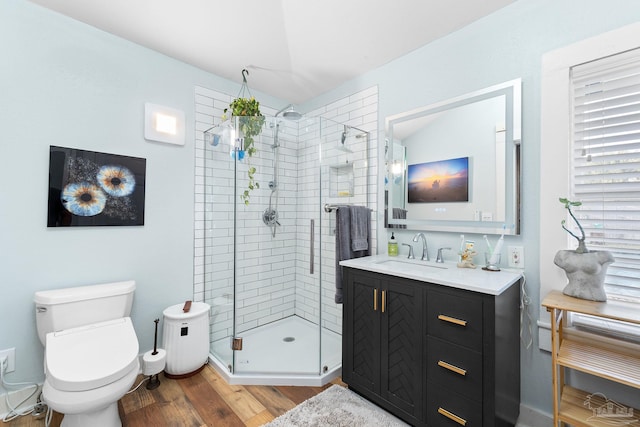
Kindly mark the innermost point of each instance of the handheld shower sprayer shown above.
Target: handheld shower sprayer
(345, 132)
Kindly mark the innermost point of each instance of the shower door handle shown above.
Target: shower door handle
(312, 226)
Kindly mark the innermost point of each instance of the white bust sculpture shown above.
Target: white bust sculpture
(586, 272)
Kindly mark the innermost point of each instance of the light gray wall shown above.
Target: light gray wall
(503, 46)
(65, 83)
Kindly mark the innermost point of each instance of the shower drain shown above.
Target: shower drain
(288, 339)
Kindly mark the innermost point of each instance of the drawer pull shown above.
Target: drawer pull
(452, 368)
(375, 299)
(452, 320)
(384, 300)
(452, 416)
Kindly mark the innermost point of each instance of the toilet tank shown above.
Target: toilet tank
(60, 309)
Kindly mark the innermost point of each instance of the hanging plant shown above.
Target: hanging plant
(250, 122)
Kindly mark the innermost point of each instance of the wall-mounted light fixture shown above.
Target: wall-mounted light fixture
(164, 124)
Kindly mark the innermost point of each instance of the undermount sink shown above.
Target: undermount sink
(393, 263)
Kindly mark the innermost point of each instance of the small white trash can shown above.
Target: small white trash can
(186, 339)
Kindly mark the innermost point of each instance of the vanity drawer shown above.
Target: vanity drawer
(455, 317)
(446, 408)
(454, 367)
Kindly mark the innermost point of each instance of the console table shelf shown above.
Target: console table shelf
(573, 410)
(602, 362)
(609, 358)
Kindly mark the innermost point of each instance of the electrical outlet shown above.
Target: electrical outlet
(10, 353)
(516, 256)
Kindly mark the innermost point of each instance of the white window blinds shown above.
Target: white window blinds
(606, 164)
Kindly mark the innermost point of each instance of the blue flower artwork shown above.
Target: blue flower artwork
(88, 188)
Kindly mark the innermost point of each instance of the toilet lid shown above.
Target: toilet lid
(90, 356)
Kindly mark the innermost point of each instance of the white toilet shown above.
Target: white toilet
(91, 351)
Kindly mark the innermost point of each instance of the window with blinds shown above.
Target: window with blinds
(606, 164)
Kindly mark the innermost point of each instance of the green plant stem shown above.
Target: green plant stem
(579, 226)
(582, 247)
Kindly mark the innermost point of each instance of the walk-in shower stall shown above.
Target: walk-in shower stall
(270, 244)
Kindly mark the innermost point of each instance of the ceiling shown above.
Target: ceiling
(293, 49)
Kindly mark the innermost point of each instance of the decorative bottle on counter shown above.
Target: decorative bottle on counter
(392, 247)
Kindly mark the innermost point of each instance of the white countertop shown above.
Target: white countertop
(447, 274)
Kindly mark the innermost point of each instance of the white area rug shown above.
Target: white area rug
(336, 407)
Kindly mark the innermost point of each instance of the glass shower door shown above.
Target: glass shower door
(277, 233)
(270, 253)
(219, 240)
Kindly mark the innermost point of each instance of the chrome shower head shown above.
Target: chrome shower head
(292, 115)
(289, 113)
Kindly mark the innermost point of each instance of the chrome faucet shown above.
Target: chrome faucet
(425, 251)
(439, 258)
(410, 256)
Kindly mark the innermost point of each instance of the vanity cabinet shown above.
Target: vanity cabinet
(383, 340)
(430, 354)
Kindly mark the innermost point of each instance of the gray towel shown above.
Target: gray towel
(399, 213)
(344, 247)
(360, 226)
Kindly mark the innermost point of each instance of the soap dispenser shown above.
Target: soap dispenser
(392, 247)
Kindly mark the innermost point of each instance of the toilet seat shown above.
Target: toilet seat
(91, 356)
(87, 401)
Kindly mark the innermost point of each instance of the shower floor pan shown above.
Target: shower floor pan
(285, 352)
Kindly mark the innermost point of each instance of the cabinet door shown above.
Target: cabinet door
(361, 337)
(401, 338)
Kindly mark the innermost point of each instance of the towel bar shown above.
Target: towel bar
(329, 207)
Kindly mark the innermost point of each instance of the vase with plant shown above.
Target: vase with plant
(248, 122)
(585, 269)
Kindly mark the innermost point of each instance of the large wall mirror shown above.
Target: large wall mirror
(455, 165)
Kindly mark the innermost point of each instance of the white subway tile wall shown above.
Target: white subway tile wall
(273, 279)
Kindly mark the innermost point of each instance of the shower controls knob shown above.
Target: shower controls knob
(270, 217)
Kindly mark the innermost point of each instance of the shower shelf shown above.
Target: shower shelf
(341, 179)
(346, 165)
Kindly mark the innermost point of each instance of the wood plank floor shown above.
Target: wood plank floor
(204, 399)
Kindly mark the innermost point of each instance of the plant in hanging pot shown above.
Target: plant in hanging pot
(585, 269)
(249, 124)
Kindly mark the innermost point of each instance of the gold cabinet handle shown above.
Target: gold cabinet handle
(451, 367)
(452, 416)
(375, 299)
(384, 300)
(452, 320)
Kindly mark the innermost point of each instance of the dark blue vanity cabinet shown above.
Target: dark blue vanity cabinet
(431, 354)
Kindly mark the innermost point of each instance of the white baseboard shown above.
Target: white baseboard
(531, 417)
(16, 397)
